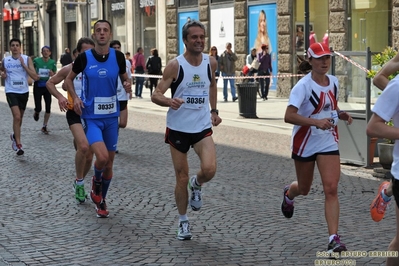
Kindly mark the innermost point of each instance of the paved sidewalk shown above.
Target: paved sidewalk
(240, 223)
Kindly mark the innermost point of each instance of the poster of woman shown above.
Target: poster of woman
(262, 29)
(183, 18)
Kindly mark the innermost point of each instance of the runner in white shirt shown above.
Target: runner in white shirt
(385, 109)
(313, 109)
(191, 77)
(122, 95)
(15, 70)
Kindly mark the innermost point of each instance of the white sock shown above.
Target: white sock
(331, 238)
(183, 218)
(385, 197)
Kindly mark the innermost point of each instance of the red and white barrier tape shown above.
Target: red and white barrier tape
(266, 76)
(229, 77)
(352, 62)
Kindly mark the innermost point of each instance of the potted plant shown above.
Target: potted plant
(385, 149)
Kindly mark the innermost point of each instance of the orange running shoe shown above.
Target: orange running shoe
(379, 205)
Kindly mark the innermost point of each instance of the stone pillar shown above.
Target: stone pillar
(285, 46)
(395, 23)
(203, 15)
(338, 27)
(241, 33)
(172, 42)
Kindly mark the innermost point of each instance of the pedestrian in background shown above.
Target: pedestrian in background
(314, 112)
(265, 69)
(249, 63)
(214, 52)
(192, 112)
(154, 67)
(45, 67)
(228, 67)
(15, 69)
(127, 56)
(66, 57)
(139, 68)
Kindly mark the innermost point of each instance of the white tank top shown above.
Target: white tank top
(77, 84)
(17, 77)
(192, 85)
(121, 93)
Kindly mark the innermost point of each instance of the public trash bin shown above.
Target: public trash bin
(247, 93)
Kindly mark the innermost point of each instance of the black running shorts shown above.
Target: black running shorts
(17, 99)
(313, 157)
(73, 118)
(122, 105)
(395, 189)
(182, 141)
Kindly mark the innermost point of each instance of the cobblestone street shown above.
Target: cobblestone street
(240, 223)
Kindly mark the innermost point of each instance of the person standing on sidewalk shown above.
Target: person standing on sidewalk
(15, 69)
(83, 155)
(227, 66)
(45, 68)
(191, 77)
(314, 112)
(99, 108)
(139, 68)
(265, 69)
(66, 57)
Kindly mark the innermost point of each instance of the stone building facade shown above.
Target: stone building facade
(339, 27)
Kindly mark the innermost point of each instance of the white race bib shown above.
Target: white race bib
(18, 84)
(333, 115)
(44, 72)
(195, 99)
(104, 105)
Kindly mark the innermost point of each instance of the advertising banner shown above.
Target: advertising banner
(221, 31)
(262, 28)
(183, 17)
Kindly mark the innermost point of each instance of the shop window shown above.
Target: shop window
(370, 25)
(220, 1)
(188, 3)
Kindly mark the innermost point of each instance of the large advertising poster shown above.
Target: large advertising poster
(183, 18)
(221, 30)
(262, 28)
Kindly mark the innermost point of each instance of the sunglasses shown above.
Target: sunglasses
(213, 49)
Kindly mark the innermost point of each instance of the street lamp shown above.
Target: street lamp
(10, 7)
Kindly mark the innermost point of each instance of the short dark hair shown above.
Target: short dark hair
(138, 49)
(189, 24)
(15, 40)
(83, 40)
(102, 21)
(112, 43)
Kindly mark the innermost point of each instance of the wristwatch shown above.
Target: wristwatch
(215, 111)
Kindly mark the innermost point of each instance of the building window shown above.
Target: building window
(220, 1)
(188, 3)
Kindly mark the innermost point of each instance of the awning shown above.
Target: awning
(28, 23)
